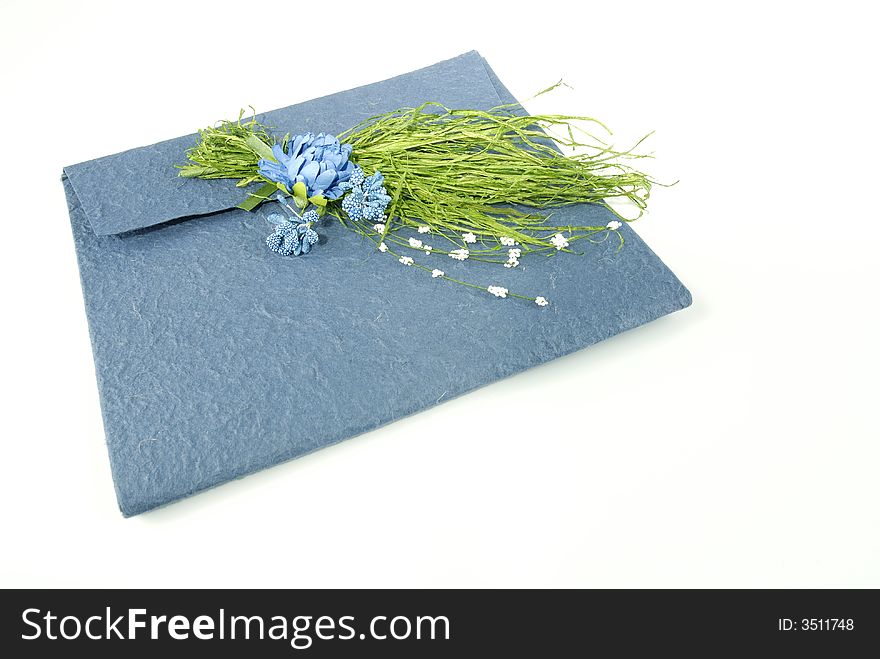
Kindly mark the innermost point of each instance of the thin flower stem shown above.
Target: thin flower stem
(363, 230)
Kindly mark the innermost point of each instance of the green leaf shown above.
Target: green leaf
(318, 200)
(300, 194)
(256, 198)
(195, 171)
(259, 147)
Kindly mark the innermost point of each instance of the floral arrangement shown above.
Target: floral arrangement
(430, 181)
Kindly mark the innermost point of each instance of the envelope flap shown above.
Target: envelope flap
(140, 188)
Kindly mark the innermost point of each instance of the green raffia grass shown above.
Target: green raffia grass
(231, 149)
(461, 171)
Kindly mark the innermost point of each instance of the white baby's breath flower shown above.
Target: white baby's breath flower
(497, 291)
(406, 260)
(428, 249)
(541, 301)
(469, 237)
(614, 225)
(459, 254)
(415, 242)
(383, 247)
(507, 241)
(424, 229)
(437, 273)
(513, 258)
(379, 228)
(559, 241)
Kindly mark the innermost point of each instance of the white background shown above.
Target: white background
(732, 444)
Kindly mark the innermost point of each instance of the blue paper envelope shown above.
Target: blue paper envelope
(216, 357)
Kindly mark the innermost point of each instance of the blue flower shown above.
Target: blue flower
(284, 239)
(367, 198)
(321, 162)
(292, 237)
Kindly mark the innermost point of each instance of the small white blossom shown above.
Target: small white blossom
(437, 273)
(428, 249)
(497, 291)
(541, 301)
(406, 260)
(507, 242)
(614, 225)
(379, 228)
(383, 247)
(513, 258)
(415, 242)
(459, 254)
(424, 229)
(469, 237)
(559, 241)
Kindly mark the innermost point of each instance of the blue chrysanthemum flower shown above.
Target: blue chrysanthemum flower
(367, 198)
(318, 161)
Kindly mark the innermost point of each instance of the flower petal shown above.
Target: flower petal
(310, 172)
(295, 165)
(272, 171)
(325, 180)
(294, 148)
(279, 154)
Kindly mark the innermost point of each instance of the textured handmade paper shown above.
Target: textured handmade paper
(216, 358)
